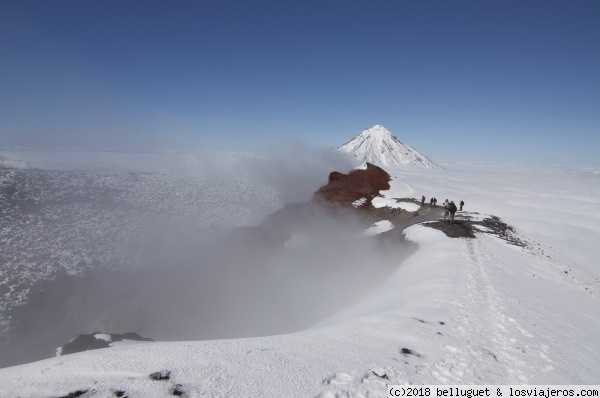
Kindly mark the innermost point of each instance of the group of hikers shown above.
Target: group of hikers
(450, 208)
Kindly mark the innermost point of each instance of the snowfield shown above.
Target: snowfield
(457, 311)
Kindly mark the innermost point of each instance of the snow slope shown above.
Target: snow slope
(458, 311)
(378, 146)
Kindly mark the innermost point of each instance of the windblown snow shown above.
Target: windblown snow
(457, 311)
(378, 146)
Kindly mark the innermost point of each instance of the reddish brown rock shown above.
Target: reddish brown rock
(344, 189)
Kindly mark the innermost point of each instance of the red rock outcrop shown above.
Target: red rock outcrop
(344, 189)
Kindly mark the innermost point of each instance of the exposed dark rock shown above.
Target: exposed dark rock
(162, 375)
(465, 227)
(74, 394)
(381, 375)
(83, 342)
(458, 229)
(129, 336)
(91, 341)
(177, 390)
(408, 351)
(502, 230)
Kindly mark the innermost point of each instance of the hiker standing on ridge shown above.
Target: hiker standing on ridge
(431, 201)
(461, 205)
(452, 210)
(423, 200)
(434, 201)
(446, 204)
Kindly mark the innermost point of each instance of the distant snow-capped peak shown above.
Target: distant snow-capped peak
(378, 146)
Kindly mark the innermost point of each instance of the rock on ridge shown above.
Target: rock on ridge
(345, 189)
(96, 340)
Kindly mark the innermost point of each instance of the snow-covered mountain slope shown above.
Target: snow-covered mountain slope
(378, 146)
(458, 311)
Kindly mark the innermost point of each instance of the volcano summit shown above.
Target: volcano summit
(378, 146)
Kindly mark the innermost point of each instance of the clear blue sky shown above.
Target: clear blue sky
(458, 80)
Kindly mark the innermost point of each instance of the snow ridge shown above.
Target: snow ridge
(378, 146)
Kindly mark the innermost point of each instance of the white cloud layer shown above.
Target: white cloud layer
(6, 163)
(558, 206)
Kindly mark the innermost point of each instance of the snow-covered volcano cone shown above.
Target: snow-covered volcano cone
(378, 146)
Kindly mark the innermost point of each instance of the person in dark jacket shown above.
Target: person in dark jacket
(461, 205)
(452, 211)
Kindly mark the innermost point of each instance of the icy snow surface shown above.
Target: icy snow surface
(359, 202)
(393, 203)
(378, 228)
(103, 336)
(458, 311)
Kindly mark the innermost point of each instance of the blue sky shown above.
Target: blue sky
(517, 81)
